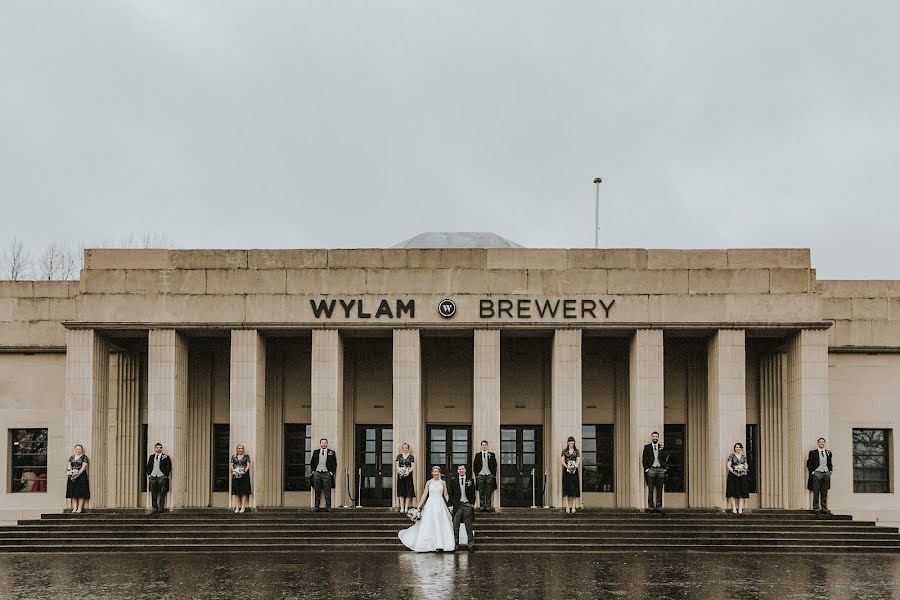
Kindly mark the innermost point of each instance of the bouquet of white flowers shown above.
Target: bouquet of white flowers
(414, 514)
(570, 467)
(740, 469)
(404, 471)
(238, 471)
(72, 473)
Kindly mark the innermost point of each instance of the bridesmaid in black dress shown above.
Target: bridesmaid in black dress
(571, 485)
(406, 490)
(240, 484)
(78, 487)
(737, 486)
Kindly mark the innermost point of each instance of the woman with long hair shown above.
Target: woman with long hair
(406, 489)
(571, 485)
(737, 488)
(241, 487)
(78, 486)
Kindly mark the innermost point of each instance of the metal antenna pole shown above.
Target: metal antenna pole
(597, 182)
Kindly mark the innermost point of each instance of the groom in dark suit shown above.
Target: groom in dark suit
(484, 467)
(462, 504)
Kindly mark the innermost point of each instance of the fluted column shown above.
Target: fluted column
(807, 406)
(327, 399)
(199, 427)
(87, 404)
(697, 434)
(274, 478)
(248, 404)
(408, 415)
(565, 406)
(726, 409)
(646, 404)
(167, 381)
(124, 431)
(622, 453)
(486, 396)
(774, 468)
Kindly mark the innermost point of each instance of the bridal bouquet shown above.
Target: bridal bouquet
(72, 473)
(238, 471)
(414, 514)
(404, 471)
(740, 469)
(570, 467)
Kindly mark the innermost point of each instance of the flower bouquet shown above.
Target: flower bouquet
(72, 473)
(238, 471)
(404, 471)
(414, 514)
(740, 469)
(571, 467)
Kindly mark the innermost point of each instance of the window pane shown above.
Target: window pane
(871, 461)
(221, 456)
(28, 460)
(528, 434)
(297, 454)
(507, 434)
(439, 434)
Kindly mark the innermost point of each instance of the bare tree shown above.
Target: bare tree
(57, 261)
(16, 262)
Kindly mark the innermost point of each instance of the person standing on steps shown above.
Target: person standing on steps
(737, 486)
(819, 466)
(571, 486)
(241, 487)
(159, 470)
(406, 489)
(78, 487)
(462, 505)
(323, 465)
(485, 469)
(654, 460)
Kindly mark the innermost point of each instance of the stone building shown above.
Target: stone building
(441, 342)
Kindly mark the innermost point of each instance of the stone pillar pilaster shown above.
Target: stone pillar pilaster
(696, 432)
(565, 406)
(486, 397)
(726, 408)
(167, 383)
(248, 404)
(646, 406)
(199, 428)
(408, 415)
(124, 431)
(327, 401)
(87, 404)
(807, 406)
(274, 438)
(774, 468)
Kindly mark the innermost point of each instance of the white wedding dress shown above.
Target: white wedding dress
(434, 531)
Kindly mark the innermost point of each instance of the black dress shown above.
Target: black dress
(81, 486)
(240, 486)
(737, 486)
(571, 486)
(405, 486)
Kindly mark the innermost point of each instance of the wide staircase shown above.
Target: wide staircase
(512, 530)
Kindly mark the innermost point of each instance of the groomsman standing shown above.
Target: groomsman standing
(323, 464)
(654, 460)
(485, 468)
(158, 470)
(819, 466)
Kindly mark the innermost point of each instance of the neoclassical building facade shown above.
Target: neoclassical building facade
(443, 347)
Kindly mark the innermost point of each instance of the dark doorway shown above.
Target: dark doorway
(521, 465)
(448, 446)
(375, 456)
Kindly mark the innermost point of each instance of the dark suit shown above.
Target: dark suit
(486, 483)
(463, 512)
(819, 482)
(323, 482)
(654, 476)
(159, 486)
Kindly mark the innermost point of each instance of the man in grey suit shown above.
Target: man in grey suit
(462, 504)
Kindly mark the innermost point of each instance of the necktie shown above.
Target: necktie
(461, 484)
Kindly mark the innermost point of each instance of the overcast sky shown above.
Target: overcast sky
(359, 124)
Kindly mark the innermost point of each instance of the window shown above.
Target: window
(751, 450)
(871, 473)
(597, 444)
(28, 454)
(297, 454)
(447, 447)
(221, 455)
(673, 442)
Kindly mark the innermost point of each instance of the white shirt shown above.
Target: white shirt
(656, 455)
(462, 490)
(157, 472)
(323, 458)
(823, 461)
(484, 464)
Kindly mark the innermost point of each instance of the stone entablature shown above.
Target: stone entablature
(865, 313)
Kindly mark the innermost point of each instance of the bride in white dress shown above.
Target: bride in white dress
(434, 530)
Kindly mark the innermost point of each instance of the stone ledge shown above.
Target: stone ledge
(765, 258)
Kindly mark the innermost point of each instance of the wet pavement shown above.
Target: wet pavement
(447, 576)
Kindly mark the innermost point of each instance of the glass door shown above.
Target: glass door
(448, 446)
(521, 465)
(375, 456)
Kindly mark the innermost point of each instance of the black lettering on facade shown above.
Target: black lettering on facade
(348, 306)
(523, 309)
(408, 307)
(569, 308)
(587, 307)
(606, 306)
(485, 308)
(546, 308)
(504, 306)
(384, 309)
(360, 312)
(322, 308)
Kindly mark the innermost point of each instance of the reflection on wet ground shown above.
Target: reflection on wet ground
(447, 576)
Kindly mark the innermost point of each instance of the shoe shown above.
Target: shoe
(817, 511)
(471, 549)
(241, 511)
(317, 509)
(328, 510)
(660, 511)
(825, 511)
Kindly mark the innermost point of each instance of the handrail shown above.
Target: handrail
(544, 491)
(533, 490)
(359, 489)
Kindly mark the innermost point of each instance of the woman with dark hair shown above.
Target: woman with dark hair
(406, 489)
(571, 486)
(737, 489)
(241, 487)
(78, 487)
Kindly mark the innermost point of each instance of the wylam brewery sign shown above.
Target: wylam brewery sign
(535, 309)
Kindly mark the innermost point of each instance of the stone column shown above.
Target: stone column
(247, 414)
(565, 406)
(274, 476)
(807, 406)
(327, 401)
(621, 432)
(645, 406)
(167, 393)
(696, 432)
(726, 407)
(774, 468)
(87, 404)
(408, 415)
(199, 427)
(125, 470)
(486, 397)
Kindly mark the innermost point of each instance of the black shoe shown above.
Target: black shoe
(817, 511)
(825, 511)
(328, 510)
(317, 509)
(471, 549)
